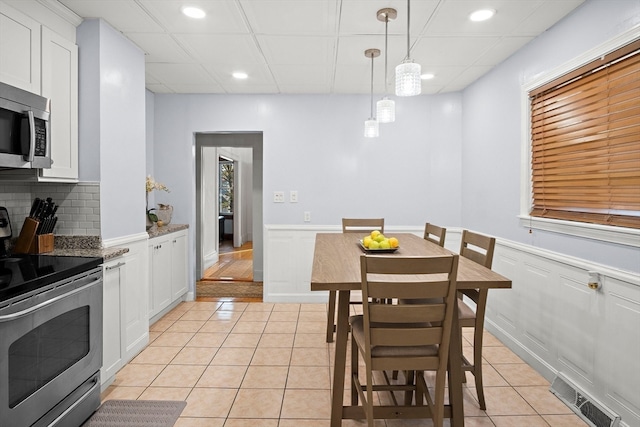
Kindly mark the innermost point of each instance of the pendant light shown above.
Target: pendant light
(371, 125)
(408, 72)
(386, 108)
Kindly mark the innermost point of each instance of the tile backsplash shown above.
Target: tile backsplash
(79, 205)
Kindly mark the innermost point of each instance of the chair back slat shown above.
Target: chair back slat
(435, 234)
(408, 290)
(403, 337)
(407, 265)
(362, 225)
(406, 313)
(477, 247)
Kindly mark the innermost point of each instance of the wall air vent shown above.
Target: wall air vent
(592, 412)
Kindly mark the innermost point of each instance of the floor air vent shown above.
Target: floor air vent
(592, 412)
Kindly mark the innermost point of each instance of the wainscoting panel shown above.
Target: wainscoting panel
(557, 324)
(619, 349)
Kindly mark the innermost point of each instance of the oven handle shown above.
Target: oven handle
(76, 403)
(12, 316)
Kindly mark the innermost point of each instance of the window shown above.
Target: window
(225, 175)
(585, 142)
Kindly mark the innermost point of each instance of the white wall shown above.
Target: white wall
(112, 139)
(314, 144)
(492, 131)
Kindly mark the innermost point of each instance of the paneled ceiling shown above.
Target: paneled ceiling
(317, 46)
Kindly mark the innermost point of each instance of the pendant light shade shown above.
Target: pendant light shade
(371, 129)
(408, 81)
(386, 108)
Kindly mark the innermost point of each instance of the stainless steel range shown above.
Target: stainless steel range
(50, 339)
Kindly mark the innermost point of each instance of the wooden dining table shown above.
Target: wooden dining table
(336, 267)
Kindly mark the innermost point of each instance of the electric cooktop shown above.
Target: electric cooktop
(21, 274)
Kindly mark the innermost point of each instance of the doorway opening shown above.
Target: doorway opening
(229, 256)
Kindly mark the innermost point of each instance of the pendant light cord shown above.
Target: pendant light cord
(371, 85)
(408, 24)
(386, 25)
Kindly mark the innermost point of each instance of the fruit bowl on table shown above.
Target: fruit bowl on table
(376, 250)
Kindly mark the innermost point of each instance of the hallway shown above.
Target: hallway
(234, 264)
(231, 276)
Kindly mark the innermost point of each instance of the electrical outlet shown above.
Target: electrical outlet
(293, 196)
(307, 217)
(278, 197)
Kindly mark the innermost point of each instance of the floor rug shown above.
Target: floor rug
(136, 413)
(229, 289)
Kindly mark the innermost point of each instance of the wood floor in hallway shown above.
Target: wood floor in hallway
(234, 264)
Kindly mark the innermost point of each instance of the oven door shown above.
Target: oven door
(50, 344)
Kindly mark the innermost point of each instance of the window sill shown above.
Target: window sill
(620, 235)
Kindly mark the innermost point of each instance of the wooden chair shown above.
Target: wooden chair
(404, 337)
(478, 248)
(350, 225)
(435, 234)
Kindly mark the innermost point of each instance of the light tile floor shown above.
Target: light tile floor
(268, 365)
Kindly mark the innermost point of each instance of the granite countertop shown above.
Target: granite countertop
(91, 246)
(84, 246)
(156, 231)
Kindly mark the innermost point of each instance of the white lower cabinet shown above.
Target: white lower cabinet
(125, 320)
(167, 271)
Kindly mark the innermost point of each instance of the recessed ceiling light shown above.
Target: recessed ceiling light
(193, 12)
(427, 76)
(240, 75)
(482, 15)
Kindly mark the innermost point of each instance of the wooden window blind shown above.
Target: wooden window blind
(585, 142)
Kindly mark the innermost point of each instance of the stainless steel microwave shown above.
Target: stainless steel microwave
(25, 134)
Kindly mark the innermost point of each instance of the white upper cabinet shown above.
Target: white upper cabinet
(60, 84)
(39, 60)
(19, 50)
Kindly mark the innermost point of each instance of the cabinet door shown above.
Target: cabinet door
(19, 49)
(60, 84)
(134, 301)
(160, 274)
(111, 320)
(179, 265)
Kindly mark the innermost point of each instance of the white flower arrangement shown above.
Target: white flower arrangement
(154, 185)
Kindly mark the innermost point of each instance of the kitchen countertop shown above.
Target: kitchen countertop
(156, 231)
(91, 246)
(84, 246)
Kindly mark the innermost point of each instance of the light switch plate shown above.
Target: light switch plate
(293, 196)
(278, 197)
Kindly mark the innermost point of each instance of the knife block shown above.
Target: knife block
(43, 244)
(31, 243)
(27, 237)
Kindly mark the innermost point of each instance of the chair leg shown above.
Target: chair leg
(331, 313)
(477, 367)
(409, 380)
(354, 372)
(368, 405)
(464, 372)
